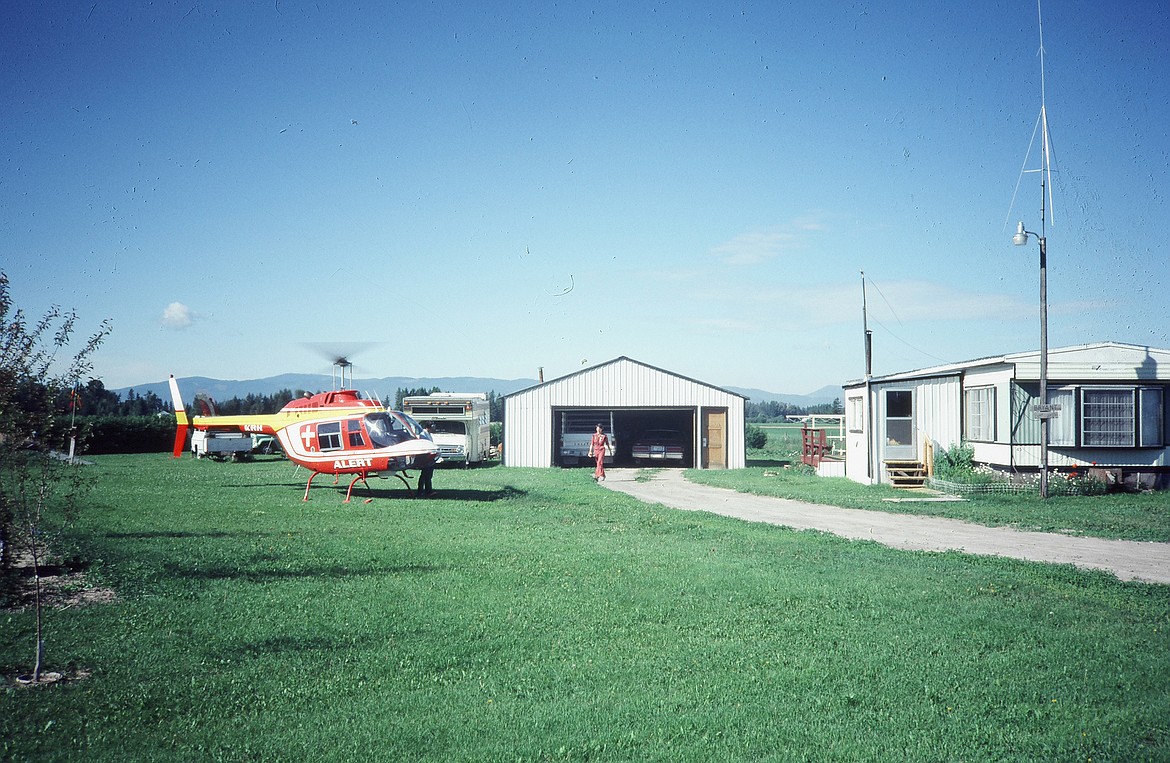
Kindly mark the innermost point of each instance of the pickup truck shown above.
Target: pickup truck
(221, 445)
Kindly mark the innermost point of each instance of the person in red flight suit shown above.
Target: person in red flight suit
(598, 447)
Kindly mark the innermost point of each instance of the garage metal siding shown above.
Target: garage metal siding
(527, 432)
(622, 383)
(937, 411)
(627, 384)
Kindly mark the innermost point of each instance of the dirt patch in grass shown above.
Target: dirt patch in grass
(63, 586)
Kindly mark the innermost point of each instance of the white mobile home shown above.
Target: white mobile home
(630, 398)
(1108, 403)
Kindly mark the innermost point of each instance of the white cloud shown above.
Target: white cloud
(754, 248)
(177, 316)
(929, 301)
(734, 325)
(895, 303)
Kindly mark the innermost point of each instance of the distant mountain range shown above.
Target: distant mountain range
(821, 396)
(224, 389)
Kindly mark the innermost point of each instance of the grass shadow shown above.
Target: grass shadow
(446, 465)
(362, 495)
(176, 534)
(478, 496)
(261, 575)
(770, 462)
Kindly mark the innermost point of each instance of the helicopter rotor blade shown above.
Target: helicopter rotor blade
(339, 355)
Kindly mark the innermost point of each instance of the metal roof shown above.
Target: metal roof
(1018, 358)
(620, 359)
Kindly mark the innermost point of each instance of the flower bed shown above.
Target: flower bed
(977, 488)
(1058, 484)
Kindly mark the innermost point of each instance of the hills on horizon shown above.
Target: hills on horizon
(225, 389)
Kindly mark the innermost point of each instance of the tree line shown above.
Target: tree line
(774, 410)
(93, 399)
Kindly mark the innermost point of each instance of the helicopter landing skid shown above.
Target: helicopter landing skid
(360, 476)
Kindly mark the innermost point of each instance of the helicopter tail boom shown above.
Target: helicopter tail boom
(180, 419)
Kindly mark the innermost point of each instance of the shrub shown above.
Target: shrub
(955, 463)
(756, 438)
(1077, 482)
(128, 434)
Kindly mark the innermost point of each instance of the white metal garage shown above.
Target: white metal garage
(636, 398)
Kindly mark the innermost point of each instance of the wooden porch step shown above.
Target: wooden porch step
(903, 473)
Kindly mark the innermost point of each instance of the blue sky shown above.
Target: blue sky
(475, 189)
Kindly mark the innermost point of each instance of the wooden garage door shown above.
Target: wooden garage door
(715, 438)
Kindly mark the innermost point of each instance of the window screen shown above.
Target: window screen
(1108, 418)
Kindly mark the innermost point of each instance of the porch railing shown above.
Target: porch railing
(814, 446)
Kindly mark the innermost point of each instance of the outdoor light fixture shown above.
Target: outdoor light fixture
(1043, 410)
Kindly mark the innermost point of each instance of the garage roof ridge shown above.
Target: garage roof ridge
(618, 360)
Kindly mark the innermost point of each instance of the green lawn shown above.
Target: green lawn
(1128, 516)
(530, 615)
(776, 471)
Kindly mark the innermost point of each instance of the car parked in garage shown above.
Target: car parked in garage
(659, 446)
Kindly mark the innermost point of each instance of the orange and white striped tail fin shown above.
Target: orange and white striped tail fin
(180, 418)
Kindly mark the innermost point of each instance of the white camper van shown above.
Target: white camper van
(459, 423)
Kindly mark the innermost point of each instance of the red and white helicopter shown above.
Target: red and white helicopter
(336, 432)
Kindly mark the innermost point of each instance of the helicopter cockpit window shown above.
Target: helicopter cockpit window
(385, 430)
(329, 436)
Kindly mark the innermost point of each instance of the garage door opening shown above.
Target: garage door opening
(643, 436)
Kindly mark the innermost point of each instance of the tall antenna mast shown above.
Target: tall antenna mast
(1043, 409)
(1046, 204)
(1045, 140)
(868, 333)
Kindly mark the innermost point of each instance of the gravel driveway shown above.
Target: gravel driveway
(1128, 560)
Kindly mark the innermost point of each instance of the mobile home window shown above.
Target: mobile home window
(856, 414)
(1062, 430)
(1108, 418)
(1121, 417)
(979, 421)
(1151, 434)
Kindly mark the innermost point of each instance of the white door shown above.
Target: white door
(898, 425)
